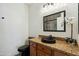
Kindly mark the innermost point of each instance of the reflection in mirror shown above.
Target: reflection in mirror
(54, 22)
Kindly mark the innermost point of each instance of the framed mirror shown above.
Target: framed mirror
(54, 22)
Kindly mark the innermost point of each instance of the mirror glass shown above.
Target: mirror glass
(54, 22)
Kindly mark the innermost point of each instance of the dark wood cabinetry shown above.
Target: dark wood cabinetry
(57, 52)
(32, 49)
(43, 50)
(41, 53)
(37, 49)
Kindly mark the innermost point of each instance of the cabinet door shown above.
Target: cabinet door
(32, 51)
(32, 48)
(44, 48)
(41, 53)
(59, 53)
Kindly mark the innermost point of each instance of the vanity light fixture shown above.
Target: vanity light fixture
(47, 4)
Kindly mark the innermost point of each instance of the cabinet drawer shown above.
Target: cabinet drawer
(32, 44)
(44, 48)
(40, 53)
(32, 51)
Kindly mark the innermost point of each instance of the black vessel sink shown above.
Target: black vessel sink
(49, 39)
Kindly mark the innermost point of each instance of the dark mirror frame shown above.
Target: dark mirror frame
(55, 30)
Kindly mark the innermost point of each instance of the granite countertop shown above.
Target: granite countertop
(61, 45)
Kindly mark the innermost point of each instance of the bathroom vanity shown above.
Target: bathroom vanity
(60, 48)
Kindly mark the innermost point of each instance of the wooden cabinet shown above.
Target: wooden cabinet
(43, 50)
(41, 53)
(32, 49)
(37, 49)
(59, 53)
